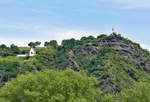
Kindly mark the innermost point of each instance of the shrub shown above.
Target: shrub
(51, 86)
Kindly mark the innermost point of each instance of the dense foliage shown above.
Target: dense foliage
(51, 86)
(8, 51)
(34, 44)
(138, 93)
(119, 64)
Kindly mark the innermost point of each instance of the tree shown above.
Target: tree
(34, 44)
(37, 43)
(108, 98)
(3, 100)
(102, 36)
(69, 44)
(46, 57)
(46, 43)
(5, 51)
(139, 93)
(51, 86)
(3, 46)
(89, 39)
(52, 43)
(14, 49)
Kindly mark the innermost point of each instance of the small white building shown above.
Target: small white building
(32, 52)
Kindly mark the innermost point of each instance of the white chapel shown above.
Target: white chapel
(32, 52)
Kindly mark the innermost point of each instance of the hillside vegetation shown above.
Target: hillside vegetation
(121, 66)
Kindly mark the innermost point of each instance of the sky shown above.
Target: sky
(22, 21)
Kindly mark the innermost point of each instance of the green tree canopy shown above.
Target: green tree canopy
(69, 44)
(5, 51)
(139, 93)
(51, 86)
(37, 43)
(3, 46)
(34, 44)
(52, 43)
(14, 48)
(31, 44)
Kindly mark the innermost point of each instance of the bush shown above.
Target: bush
(102, 36)
(140, 93)
(51, 86)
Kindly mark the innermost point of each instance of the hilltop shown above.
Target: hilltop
(116, 61)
